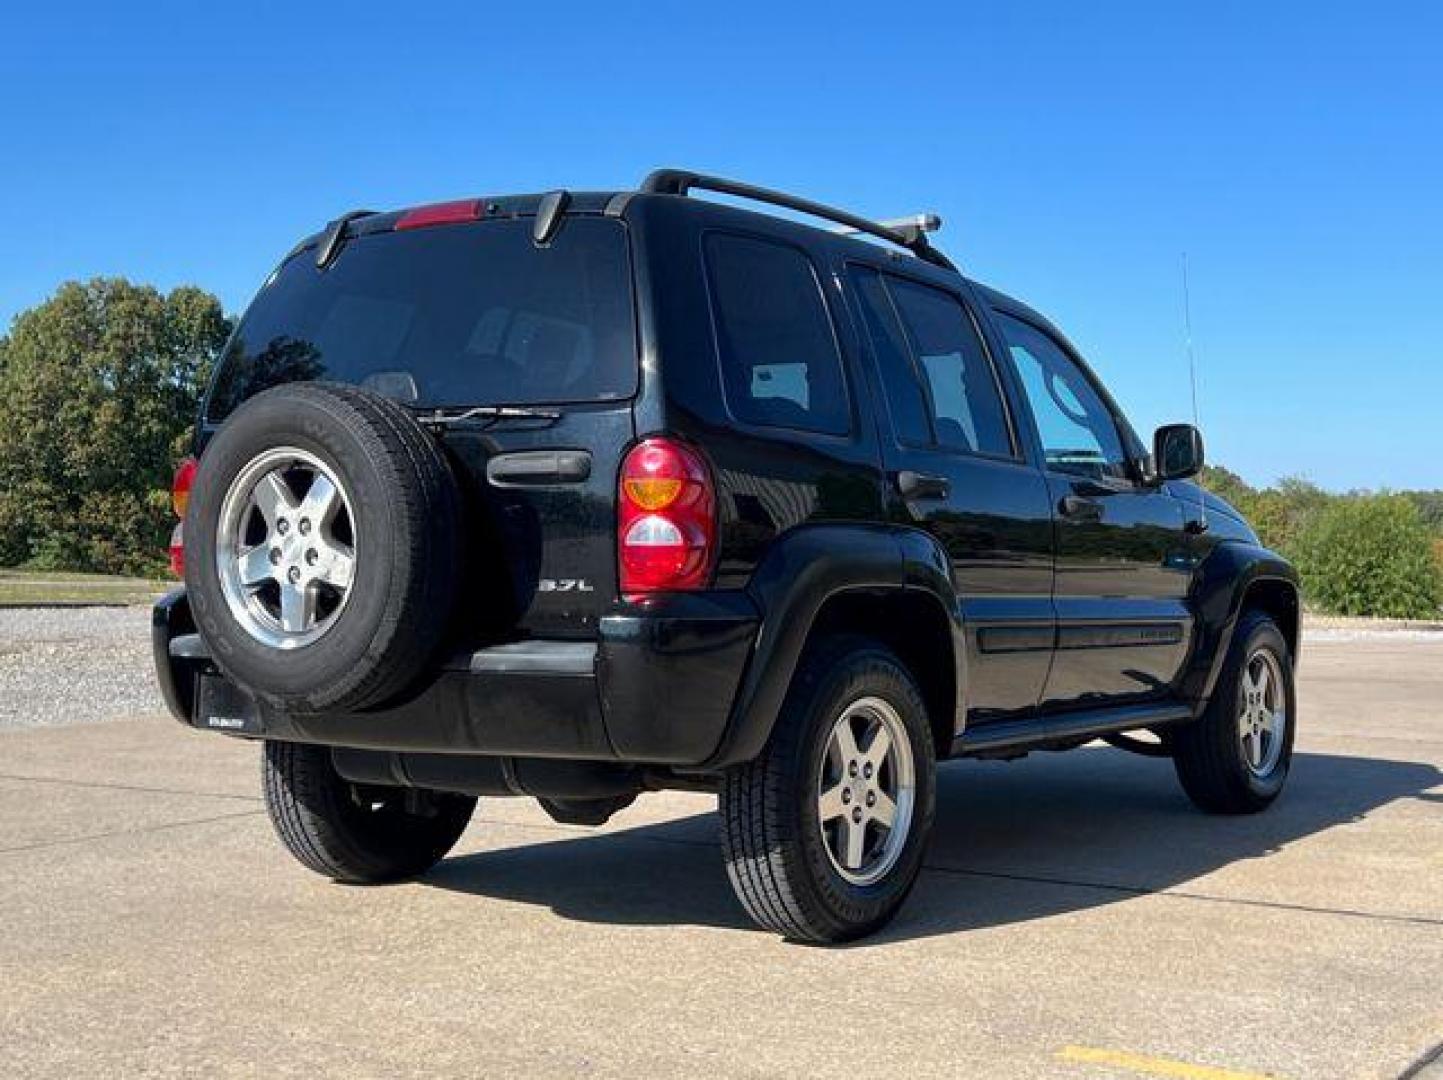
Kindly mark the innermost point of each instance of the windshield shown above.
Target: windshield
(453, 315)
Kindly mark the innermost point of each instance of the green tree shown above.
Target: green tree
(98, 388)
(1225, 484)
(1430, 505)
(1370, 555)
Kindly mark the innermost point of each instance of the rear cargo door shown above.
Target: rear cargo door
(543, 494)
(521, 355)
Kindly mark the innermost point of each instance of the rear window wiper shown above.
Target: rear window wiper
(441, 418)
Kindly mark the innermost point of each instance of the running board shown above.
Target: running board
(1020, 735)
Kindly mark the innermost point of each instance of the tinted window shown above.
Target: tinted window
(900, 383)
(780, 364)
(452, 315)
(965, 400)
(1078, 432)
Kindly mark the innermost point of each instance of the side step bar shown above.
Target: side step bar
(1020, 735)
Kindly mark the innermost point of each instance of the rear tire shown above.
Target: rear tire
(788, 816)
(355, 834)
(1235, 759)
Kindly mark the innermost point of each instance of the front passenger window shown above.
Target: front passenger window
(1079, 434)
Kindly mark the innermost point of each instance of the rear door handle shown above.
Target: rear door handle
(1080, 508)
(539, 468)
(915, 485)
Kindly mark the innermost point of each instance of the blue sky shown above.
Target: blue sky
(1294, 151)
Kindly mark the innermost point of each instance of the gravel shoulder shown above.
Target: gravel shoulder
(63, 666)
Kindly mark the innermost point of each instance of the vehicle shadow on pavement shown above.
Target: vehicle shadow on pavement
(1013, 842)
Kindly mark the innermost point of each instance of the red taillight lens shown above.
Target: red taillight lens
(177, 551)
(667, 519)
(441, 213)
(181, 485)
(180, 499)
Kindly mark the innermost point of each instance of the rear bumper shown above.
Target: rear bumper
(656, 687)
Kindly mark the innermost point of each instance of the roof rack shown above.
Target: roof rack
(910, 234)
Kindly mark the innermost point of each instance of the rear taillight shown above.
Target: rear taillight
(667, 519)
(443, 213)
(180, 499)
(177, 550)
(181, 485)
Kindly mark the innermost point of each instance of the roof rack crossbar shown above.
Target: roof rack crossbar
(910, 227)
(680, 181)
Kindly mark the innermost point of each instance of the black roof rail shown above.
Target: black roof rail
(681, 181)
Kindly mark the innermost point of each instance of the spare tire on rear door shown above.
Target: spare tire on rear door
(321, 547)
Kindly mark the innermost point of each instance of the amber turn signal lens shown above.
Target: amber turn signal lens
(652, 492)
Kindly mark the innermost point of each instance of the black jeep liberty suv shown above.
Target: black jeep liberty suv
(579, 496)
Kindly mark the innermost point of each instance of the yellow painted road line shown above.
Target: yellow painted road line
(1152, 1066)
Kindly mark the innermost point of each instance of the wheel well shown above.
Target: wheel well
(1279, 600)
(915, 627)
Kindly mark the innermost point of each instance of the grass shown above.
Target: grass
(22, 588)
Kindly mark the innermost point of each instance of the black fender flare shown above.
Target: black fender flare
(800, 572)
(1220, 588)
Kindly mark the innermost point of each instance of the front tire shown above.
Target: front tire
(1235, 759)
(355, 834)
(824, 833)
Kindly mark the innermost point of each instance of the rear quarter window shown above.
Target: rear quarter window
(779, 358)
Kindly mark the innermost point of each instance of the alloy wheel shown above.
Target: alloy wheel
(1262, 712)
(866, 788)
(285, 548)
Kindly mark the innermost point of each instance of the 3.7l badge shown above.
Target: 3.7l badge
(564, 585)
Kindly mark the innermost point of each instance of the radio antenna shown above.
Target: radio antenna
(1192, 378)
(1187, 338)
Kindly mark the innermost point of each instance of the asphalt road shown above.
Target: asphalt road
(1077, 919)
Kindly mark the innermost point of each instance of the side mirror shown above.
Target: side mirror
(1177, 452)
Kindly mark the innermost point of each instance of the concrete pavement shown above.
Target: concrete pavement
(1077, 919)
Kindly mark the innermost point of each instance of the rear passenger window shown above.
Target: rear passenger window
(934, 361)
(905, 400)
(780, 364)
(967, 406)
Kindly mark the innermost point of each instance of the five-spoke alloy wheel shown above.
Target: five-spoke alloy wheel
(285, 548)
(866, 787)
(1263, 712)
(824, 833)
(1235, 758)
(322, 557)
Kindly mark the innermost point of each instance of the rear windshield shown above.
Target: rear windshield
(452, 315)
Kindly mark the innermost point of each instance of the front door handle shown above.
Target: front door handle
(915, 485)
(1080, 508)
